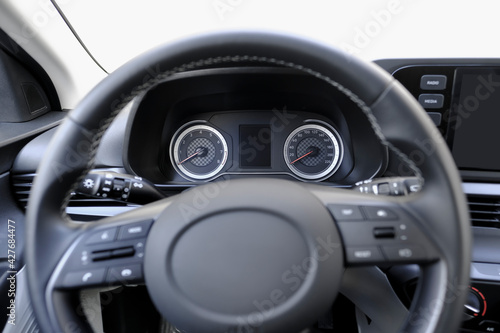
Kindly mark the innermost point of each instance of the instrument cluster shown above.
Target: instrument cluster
(239, 143)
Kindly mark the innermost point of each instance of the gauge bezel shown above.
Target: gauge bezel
(333, 134)
(174, 149)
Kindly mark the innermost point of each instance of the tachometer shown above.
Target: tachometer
(198, 152)
(313, 151)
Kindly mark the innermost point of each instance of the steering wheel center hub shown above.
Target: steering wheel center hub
(243, 258)
(244, 262)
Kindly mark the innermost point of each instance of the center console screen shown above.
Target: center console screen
(475, 119)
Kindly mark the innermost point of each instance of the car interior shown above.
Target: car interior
(246, 178)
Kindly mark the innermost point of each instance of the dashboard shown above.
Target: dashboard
(239, 122)
(462, 99)
(216, 124)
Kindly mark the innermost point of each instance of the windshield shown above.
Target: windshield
(116, 30)
(111, 32)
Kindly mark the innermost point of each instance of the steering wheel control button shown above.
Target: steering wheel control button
(136, 230)
(139, 249)
(84, 278)
(433, 82)
(103, 236)
(125, 274)
(101, 255)
(369, 254)
(346, 212)
(431, 101)
(123, 252)
(404, 253)
(379, 213)
(384, 232)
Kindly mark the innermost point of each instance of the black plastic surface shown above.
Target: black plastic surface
(14, 136)
(110, 153)
(21, 97)
(9, 46)
(411, 77)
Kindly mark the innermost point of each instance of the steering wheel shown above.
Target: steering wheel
(251, 255)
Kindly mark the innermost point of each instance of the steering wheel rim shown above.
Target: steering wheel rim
(440, 207)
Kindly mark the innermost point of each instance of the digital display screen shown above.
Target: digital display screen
(255, 146)
(476, 117)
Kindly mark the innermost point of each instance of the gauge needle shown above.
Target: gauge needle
(198, 151)
(301, 157)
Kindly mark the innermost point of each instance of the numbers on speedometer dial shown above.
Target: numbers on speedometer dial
(198, 152)
(313, 151)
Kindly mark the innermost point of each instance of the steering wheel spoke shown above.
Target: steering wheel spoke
(377, 230)
(110, 252)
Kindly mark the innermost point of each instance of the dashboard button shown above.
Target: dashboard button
(436, 117)
(433, 82)
(136, 230)
(103, 236)
(431, 101)
(346, 212)
(379, 214)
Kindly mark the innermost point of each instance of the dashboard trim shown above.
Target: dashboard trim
(481, 188)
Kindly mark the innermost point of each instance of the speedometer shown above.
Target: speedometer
(198, 152)
(313, 151)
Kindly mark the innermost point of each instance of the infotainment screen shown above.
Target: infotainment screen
(475, 119)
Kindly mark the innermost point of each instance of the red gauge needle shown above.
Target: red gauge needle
(199, 151)
(301, 157)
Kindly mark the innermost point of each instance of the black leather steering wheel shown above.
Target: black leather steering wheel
(228, 265)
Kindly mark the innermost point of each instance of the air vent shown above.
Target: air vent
(484, 211)
(22, 186)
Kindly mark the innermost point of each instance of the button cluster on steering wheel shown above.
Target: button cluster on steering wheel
(379, 235)
(111, 255)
